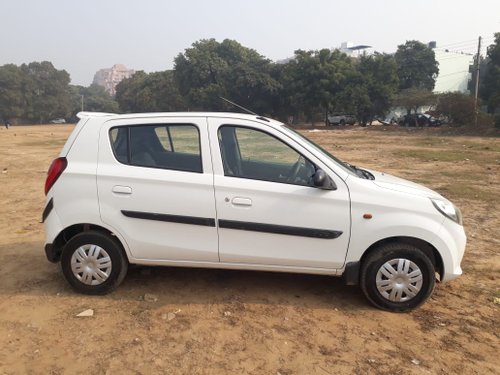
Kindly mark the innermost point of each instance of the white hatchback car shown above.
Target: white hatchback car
(228, 190)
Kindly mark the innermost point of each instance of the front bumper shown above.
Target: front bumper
(450, 242)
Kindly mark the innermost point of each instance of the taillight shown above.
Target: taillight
(56, 168)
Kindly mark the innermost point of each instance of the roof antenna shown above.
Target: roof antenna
(239, 106)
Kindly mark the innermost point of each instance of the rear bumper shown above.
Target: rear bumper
(52, 226)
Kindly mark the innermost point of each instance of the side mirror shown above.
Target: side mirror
(322, 181)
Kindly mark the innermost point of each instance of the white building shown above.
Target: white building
(453, 71)
(346, 47)
(354, 50)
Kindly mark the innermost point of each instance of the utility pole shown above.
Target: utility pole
(476, 91)
(82, 103)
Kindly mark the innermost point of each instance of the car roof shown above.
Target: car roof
(234, 115)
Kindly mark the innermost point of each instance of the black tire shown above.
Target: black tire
(390, 252)
(111, 246)
(342, 122)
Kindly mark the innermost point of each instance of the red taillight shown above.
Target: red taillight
(56, 168)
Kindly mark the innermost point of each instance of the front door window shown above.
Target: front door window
(254, 154)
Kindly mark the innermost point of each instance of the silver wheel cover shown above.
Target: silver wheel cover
(399, 280)
(91, 264)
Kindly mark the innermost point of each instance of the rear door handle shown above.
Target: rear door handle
(240, 201)
(118, 189)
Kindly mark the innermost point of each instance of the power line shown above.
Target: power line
(456, 43)
(470, 56)
(450, 74)
(465, 47)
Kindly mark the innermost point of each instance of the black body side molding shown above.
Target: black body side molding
(280, 229)
(193, 220)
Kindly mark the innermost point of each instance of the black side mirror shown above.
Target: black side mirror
(322, 181)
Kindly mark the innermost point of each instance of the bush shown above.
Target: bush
(497, 121)
(458, 107)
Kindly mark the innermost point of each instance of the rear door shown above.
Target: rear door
(155, 185)
(268, 211)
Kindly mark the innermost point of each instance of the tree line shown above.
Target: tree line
(307, 87)
(37, 93)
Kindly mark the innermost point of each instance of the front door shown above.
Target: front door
(155, 185)
(268, 211)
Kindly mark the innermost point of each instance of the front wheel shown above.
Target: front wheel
(397, 277)
(93, 263)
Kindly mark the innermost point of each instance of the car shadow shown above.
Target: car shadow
(176, 285)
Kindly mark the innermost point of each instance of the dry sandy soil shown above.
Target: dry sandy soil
(229, 322)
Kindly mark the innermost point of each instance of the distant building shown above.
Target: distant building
(454, 72)
(346, 47)
(109, 78)
(354, 50)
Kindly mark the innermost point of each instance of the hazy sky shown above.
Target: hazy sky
(83, 36)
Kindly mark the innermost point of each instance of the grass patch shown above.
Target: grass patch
(430, 141)
(427, 155)
(45, 143)
(468, 192)
(448, 156)
(489, 147)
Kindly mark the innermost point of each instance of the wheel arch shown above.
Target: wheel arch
(69, 232)
(423, 245)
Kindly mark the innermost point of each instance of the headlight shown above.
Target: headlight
(448, 209)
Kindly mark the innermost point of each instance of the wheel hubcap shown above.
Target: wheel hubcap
(399, 280)
(91, 264)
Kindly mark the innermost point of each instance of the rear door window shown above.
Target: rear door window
(163, 146)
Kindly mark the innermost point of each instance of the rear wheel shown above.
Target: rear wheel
(93, 263)
(397, 277)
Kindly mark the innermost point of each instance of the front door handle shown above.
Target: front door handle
(119, 189)
(240, 201)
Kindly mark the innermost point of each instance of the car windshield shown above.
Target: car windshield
(345, 166)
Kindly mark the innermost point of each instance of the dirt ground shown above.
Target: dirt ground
(196, 321)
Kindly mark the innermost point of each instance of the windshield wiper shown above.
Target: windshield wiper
(362, 172)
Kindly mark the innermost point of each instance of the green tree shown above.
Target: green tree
(210, 69)
(95, 99)
(316, 81)
(490, 80)
(413, 99)
(12, 98)
(46, 91)
(458, 107)
(417, 66)
(374, 89)
(153, 92)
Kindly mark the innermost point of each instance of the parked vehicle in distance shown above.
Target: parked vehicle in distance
(388, 121)
(419, 119)
(234, 191)
(432, 121)
(58, 121)
(340, 119)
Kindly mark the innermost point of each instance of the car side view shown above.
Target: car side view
(238, 191)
